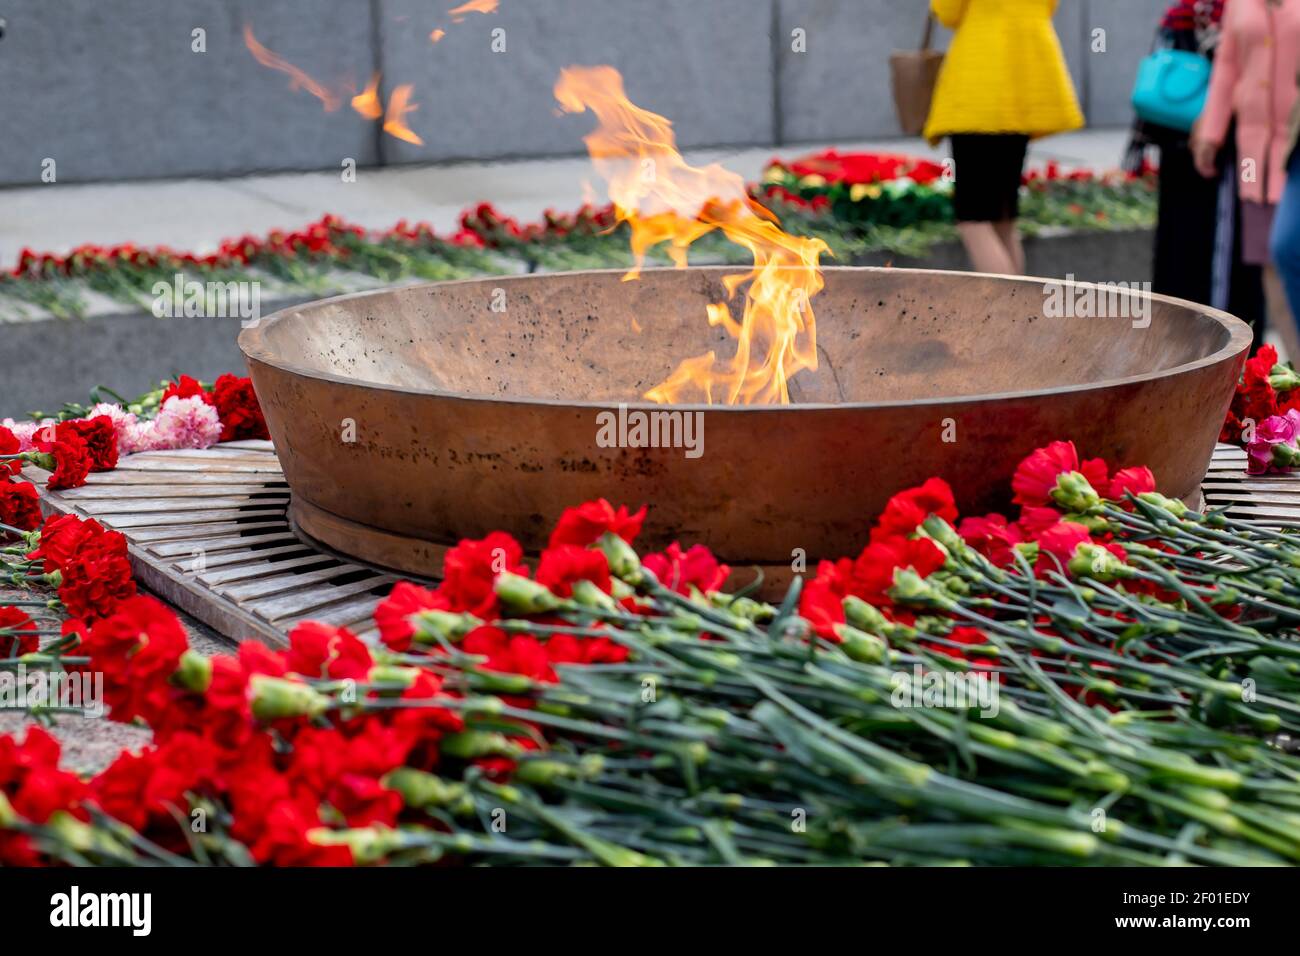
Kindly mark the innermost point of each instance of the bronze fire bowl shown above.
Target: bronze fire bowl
(408, 419)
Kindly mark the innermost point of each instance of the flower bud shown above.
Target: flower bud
(498, 682)
(623, 560)
(864, 616)
(420, 789)
(275, 697)
(944, 534)
(1172, 505)
(910, 588)
(860, 646)
(1093, 561)
(1074, 493)
(431, 625)
(588, 594)
(1283, 378)
(525, 596)
(543, 771)
(193, 672)
(83, 837)
(402, 677)
(470, 744)
(368, 844)
(745, 607)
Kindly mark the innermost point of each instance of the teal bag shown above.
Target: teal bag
(1171, 88)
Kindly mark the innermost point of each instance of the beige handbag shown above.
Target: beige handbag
(913, 74)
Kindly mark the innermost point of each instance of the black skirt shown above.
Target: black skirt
(986, 187)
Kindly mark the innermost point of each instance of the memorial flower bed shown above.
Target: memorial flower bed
(1129, 672)
(858, 203)
(874, 191)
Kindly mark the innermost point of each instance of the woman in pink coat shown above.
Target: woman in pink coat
(1254, 82)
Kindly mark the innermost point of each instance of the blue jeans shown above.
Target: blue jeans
(1284, 244)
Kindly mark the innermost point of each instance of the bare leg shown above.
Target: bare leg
(1280, 320)
(986, 250)
(1009, 236)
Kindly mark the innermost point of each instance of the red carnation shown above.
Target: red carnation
(144, 790)
(185, 387)
(97, 578)
(238, 408)
(137, 648)
(10, 445)
(570, 649)
(821, 602)
(393, 615)
(906, 510)
(1036, 476)
(17, 632)
(66, 458)
(562, 566)
(1135, 481)
(681, 570)
(470, 570)
(319, 650)
(584, 524)
(62, 536)
(100, 437)
(873, 571)
(518, 654)
(992, 537)
(20, 506)
(1063, 539)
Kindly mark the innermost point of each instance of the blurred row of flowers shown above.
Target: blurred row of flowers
(860, 203)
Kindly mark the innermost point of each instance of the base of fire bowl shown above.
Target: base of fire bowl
(383, 550)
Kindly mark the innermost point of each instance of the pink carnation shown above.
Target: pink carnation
(182, 423)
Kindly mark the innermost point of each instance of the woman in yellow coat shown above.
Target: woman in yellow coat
(1003, 83)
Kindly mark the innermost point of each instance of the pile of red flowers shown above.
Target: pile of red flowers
(249, 733)
(854, 168)
(1059, 497)
(326, 752)
(327, 237)
(495, 230)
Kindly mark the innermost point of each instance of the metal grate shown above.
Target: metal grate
(209, 531)
(1273, 499)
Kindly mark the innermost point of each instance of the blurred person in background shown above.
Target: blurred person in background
(1254, 83)
(1003, 83)
(1198, 235)
(1285, 245)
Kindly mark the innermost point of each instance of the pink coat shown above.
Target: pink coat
(1254, 79)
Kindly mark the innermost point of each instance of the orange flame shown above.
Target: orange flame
(367, 101)
(398, 106)
(473, 6)
(664, 199)
(298, 79)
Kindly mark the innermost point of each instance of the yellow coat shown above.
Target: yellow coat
(1004, 72)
